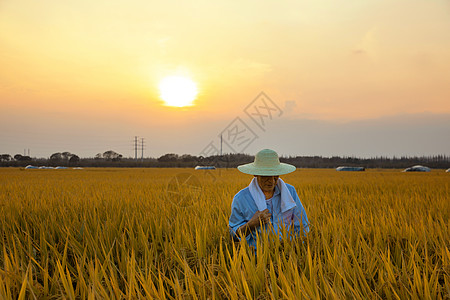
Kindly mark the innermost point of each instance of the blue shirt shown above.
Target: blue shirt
(244, 207)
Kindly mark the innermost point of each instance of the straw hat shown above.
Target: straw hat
(266, 163)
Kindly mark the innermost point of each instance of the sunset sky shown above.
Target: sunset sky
(360, 78)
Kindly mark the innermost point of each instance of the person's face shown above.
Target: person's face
(267, 183)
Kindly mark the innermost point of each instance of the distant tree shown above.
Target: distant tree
(98, 156)
(20, 157)
(66, 155)
(169, 157)
(74, 159)
(5, 157)
(63, 157)
(112, 155)
(56, 156)
(188, 158)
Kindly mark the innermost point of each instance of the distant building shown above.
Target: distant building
(417, 168)
(350, 168)
(205, 168)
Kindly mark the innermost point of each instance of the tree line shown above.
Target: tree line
(111, 158)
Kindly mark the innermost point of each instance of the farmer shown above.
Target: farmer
(267, 200)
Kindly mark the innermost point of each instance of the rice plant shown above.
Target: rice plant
(126, 233)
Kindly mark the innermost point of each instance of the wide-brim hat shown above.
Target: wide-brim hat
(266, 163)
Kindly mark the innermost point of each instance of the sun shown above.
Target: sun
(178, 91)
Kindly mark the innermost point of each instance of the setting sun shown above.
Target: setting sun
(178, 91)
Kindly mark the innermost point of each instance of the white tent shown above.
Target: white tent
(448, 170)
(31, 167)
(205, 168)
(417, 168)
(350, 168)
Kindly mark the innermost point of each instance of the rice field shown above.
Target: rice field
(163, 234)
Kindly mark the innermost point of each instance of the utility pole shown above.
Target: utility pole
(142, 149)
(220, 144)
(135, 147)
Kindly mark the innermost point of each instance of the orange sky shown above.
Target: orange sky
(81, 65)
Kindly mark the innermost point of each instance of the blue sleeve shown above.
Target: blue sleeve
(300, 218)
(236, 219)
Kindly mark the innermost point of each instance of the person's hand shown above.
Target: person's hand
(260, 217)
